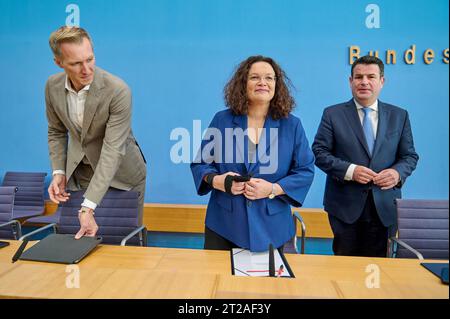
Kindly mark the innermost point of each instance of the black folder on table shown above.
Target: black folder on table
(61, 248)
(438, 269)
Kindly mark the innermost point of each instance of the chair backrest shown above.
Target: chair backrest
(30, 187)
(292, 246)
(7, 194)
(423, 225)
(116, 216)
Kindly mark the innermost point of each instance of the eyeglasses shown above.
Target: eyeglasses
(267, 78)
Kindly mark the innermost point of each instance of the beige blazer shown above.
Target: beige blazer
(106, 138)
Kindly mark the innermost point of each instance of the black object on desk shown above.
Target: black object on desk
(271, 261)
(58, 248)
(438, 269)
(20, 250)
(3, 244)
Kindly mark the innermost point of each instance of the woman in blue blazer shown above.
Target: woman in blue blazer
(257, 139)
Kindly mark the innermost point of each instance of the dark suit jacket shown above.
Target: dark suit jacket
(340, 142)
(254, 224)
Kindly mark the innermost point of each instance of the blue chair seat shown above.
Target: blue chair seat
(27, 211)
(47, 219)
(116, 217)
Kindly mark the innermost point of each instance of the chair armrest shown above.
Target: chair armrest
(18, 232)
(34, 232)
(302, 223)
(142, 230)
(408, 247)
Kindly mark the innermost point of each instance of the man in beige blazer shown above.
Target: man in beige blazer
(90, 140)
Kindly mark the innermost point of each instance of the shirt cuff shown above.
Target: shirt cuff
(89, 204)
(58, 171)
(349, 174)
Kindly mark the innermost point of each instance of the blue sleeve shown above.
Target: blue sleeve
(406, 154)
(323, 146)
(204, 164)
(301, 173)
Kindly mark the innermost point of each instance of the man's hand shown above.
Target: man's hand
(88, 226)
(237, 188)
(57, 189)
(257, 188)
(363, 175)
(387, 178)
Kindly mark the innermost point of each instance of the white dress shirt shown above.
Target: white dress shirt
(374, 119)
(75, 103)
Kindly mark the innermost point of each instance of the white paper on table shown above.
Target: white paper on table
(256, 264)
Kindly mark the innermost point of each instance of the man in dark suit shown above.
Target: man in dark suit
(366, 149)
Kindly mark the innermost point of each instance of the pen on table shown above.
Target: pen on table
(280, 271)
(19, 251)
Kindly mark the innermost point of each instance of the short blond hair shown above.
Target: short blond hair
(67, 34)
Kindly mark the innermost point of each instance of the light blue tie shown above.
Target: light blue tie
(368, 129)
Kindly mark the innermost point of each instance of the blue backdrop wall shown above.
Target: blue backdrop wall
(177, 55)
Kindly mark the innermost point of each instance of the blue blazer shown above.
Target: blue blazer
(254, 224)
(340, 141)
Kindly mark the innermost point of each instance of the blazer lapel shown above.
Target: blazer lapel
(240, 144)
(355, 123)
(92, 102)
(63, 108)
(267, 142)
(382, 127)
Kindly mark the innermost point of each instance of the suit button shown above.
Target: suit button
(76, 163)
(249, 203)
(365, 191)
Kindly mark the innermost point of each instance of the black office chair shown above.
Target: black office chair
(291, 247)
(9, 227)
(116, 217)
(29, 200)
(422, 229)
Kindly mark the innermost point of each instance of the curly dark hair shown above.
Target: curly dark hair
(235, 92)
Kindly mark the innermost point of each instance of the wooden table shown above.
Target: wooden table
(145, 272)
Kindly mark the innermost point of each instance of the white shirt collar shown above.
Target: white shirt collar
(68, 86)
(374, 106)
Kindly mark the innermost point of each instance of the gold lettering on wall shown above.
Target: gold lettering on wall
(409, 55)
(428, 56)
(391, 57)
(354, 53)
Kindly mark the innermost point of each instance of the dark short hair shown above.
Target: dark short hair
(368, 59)
(235, 91)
